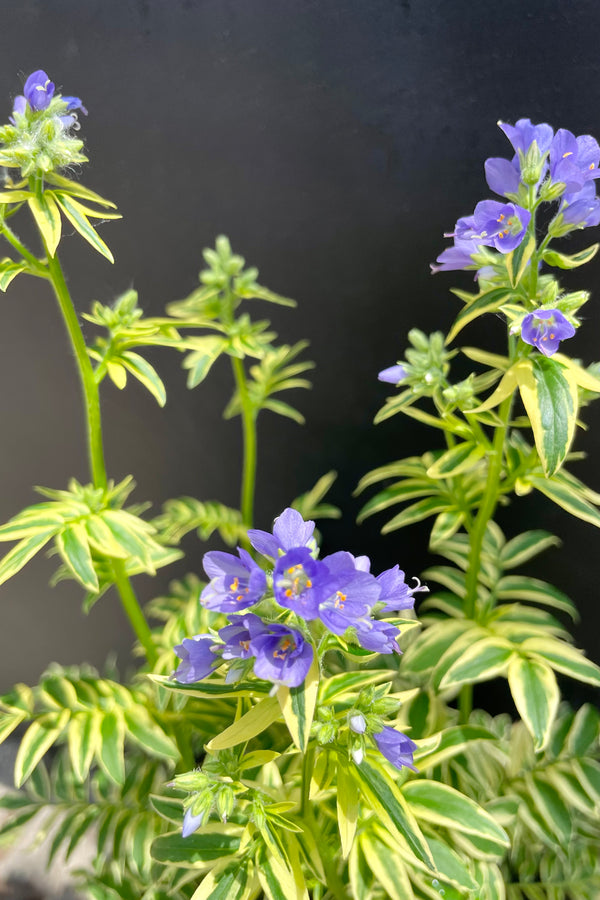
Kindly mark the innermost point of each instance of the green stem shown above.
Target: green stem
(485, 513)
(335, 884)
(307, 771)
(91, 396)
(249, 429)
(86, 373)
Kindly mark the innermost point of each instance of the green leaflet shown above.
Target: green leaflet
(252, 723)
(563, 658)
(563, 261)
(490, 301)
(47, 218)
(77, 216)
(549, 394)
(551, 807)
(482, 661)
(348, 804)
(525, 546)
(145, 374)
(566, 496)
(149, 735)
(199, 362)
(535, 692)
(9, 270)
(77, 190)
(72, 544)
(424, 653)
(388, 867)
(391, 806)
(442, 805)
(16, 558)
(416, 513)
(400, 492)
(224, 882)
(298, 705)
(84, 737)
(38, 738)
(452, 741)
(533, 590)
(517, 261)
(198, 850)
(111, 746)
(457, 460)
(445, 526)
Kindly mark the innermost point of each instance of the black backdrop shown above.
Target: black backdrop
(334, 141)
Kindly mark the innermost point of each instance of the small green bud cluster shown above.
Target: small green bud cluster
(428, 362)
(41, 141)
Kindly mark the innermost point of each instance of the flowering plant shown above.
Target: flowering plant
(276, 742)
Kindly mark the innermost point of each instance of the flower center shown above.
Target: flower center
(234, 587)
(340, 600)
(294, 581)
(507, 227)
(285, 646)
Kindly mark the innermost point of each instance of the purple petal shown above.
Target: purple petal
(501, 176)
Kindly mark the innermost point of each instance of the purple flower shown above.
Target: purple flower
(574, 160)
(350, 594)
(191, 823)
(237, 636)
(502, 176)
(198, 658)
(299, 582)
(545, 329)
(457, 257)
(500, 225)
(38, 90)
(235, 583)
(396, 747)
(524, 133)
(289, 530)
(395, 593)
(282, 655)
(582, 208)
(380, 637)
(393, 374)
(74, 104)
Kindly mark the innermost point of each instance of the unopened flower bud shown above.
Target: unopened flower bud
(357, 723)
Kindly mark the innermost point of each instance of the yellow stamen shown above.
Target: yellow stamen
(340, 600)
(245, 645)
(569, 153)
(234, 584)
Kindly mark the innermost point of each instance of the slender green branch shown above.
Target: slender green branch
(307, 771)
(36, 266)
(91, 396)
(133, 611)
(249, 429)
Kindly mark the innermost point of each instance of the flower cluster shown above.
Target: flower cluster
(40, 135)
(553, 165)
(545, 167)
(301, 600)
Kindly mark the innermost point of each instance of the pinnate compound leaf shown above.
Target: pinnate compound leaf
(535, 692)
(199, 362)
(36, 741)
